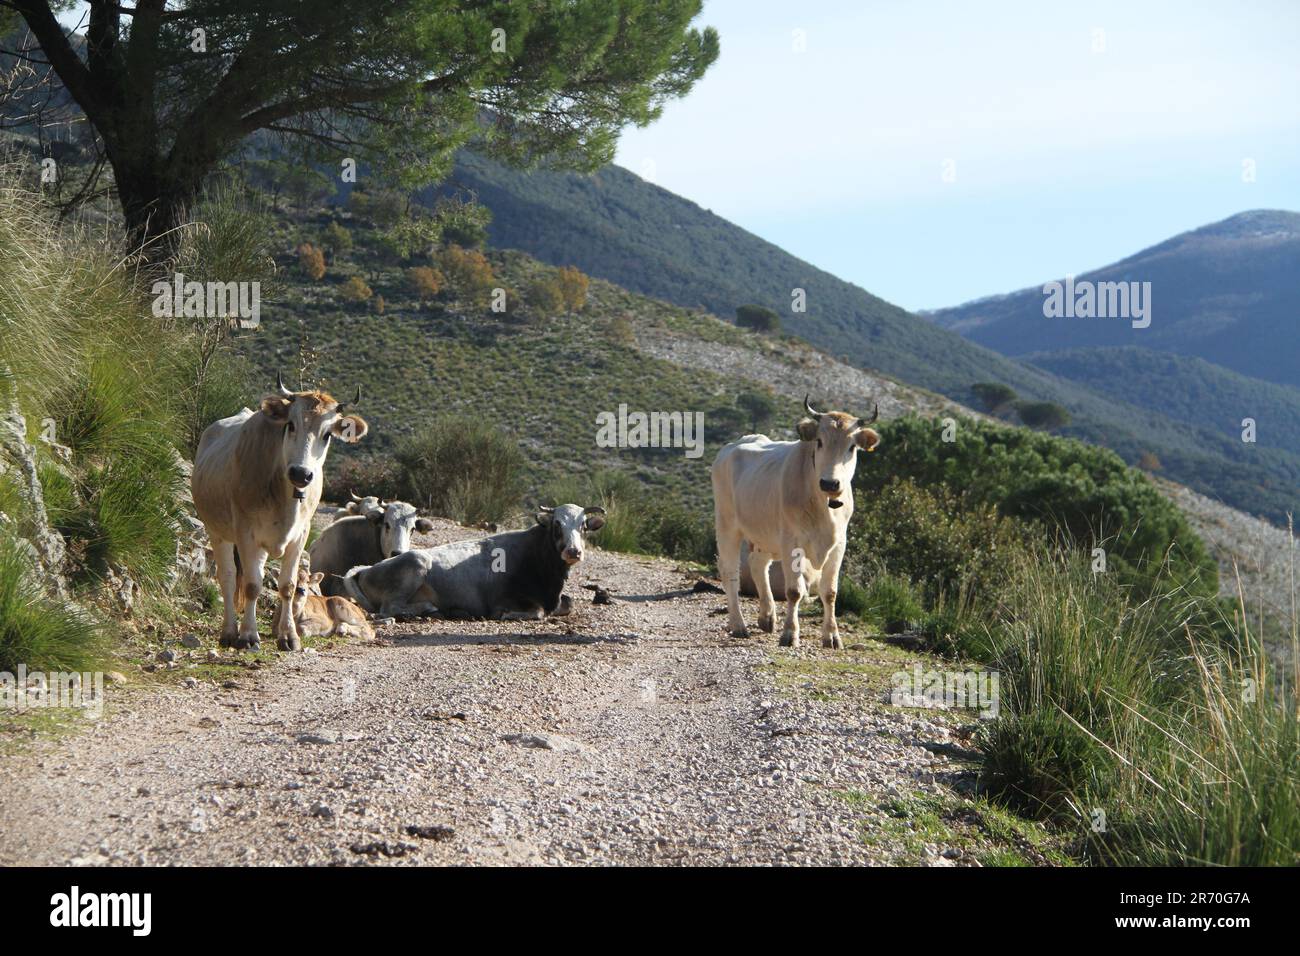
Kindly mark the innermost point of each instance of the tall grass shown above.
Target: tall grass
(1133, 719)
(95, 371)
(37, 629)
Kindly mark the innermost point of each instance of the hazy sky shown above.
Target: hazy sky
(1067, 148)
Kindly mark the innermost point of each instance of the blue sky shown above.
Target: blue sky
(1065, 148)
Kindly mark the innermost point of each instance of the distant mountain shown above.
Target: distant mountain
(1228, 293)
(1189, 390)
(617, 226)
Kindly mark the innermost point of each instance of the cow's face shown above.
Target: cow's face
(397, 520)
(310, 421)
(307, 585)
(836, 438)
(569, 525)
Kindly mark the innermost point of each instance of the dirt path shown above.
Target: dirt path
(633, 732)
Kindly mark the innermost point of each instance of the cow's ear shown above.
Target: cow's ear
(867, 439)
(544, 517)
(374, 517)
(317, 578)
(424, 525)
(807, 429)
(594, 522)
(350, 428)
(276, 408)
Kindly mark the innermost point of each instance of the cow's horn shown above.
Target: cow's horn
(355, 496)
(810, 410)
(279, 383)
(864, 422)
(594, 509)
(545, 510)
(355, 401)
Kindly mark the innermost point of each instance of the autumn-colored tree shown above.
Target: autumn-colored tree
(377, 303)
(573, 287)
(424, 282)
(545, 297)
(311, 260)
(355, 290)
(468, 272)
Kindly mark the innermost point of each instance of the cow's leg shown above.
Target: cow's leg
(758, 565)
(729, 570)
(253, 561)
(795, 589)
(826, 591)
(285, 628)
(227, 579)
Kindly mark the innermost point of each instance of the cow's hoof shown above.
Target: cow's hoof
(741, 631)
(789, 640)
(288, 644)
(229, 640)
(766, 623)
(247, 642)
(833, 642)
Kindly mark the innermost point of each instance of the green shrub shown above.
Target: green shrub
(1084, 493)
(462, 468)
(759, 318)
(545, 297)
(38, 630)
(463, 222)
(929, 538)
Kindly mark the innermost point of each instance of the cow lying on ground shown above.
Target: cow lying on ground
(368, 538)
(792, 500)
(320, 616)
(256, 483)
(360, 506)
(515, 575)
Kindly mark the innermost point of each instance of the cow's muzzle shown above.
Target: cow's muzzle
(299, 476)
(829, 485)
(571, 555)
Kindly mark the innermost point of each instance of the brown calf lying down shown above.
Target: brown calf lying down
(318, 616)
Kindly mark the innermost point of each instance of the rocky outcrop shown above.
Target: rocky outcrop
(18, 459)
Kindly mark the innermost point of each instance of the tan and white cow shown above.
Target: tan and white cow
(256, 483)
(792, 500)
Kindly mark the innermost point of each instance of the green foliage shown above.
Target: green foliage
(1044, 415)
(1125, 704)
(1086, 494)
(759, 405)
(337, 239)
(383, 208)
(932, 538)
(38, 630)
(411, 236)
(463, 468)
(993, 396)
(758, 318)
(462, 222)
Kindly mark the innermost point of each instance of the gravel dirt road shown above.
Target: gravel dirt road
(635, 732)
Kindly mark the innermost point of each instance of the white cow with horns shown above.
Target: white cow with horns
(256, 483)
(792, 500)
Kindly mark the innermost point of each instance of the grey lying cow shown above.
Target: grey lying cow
(515, 575)
(368, 538)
